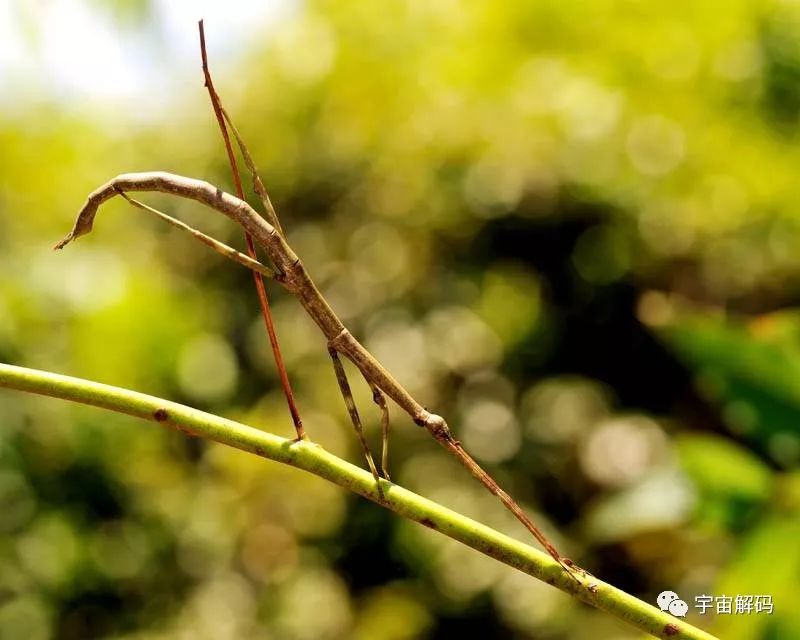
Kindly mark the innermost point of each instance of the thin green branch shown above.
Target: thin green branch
(314, 459)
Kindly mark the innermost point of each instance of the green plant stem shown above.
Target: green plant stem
(311, 457)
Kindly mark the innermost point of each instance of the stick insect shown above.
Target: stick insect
(288, 270)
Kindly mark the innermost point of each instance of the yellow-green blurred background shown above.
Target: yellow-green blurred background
(571, 228)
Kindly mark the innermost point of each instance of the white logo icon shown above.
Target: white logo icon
(678, 608)
(669, 601)
(664, 598)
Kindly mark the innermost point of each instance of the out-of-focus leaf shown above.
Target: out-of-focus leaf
(750, 370)
(765, 563)
(723, 469)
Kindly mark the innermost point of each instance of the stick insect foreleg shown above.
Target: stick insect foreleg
(220, 247)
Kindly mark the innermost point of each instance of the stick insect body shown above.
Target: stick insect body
(290, 272)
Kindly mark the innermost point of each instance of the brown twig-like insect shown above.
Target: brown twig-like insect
(289, 271)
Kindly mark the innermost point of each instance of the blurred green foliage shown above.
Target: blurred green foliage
(569, 227)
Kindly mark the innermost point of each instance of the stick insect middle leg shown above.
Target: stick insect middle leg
(380, 400)
(347, 394)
